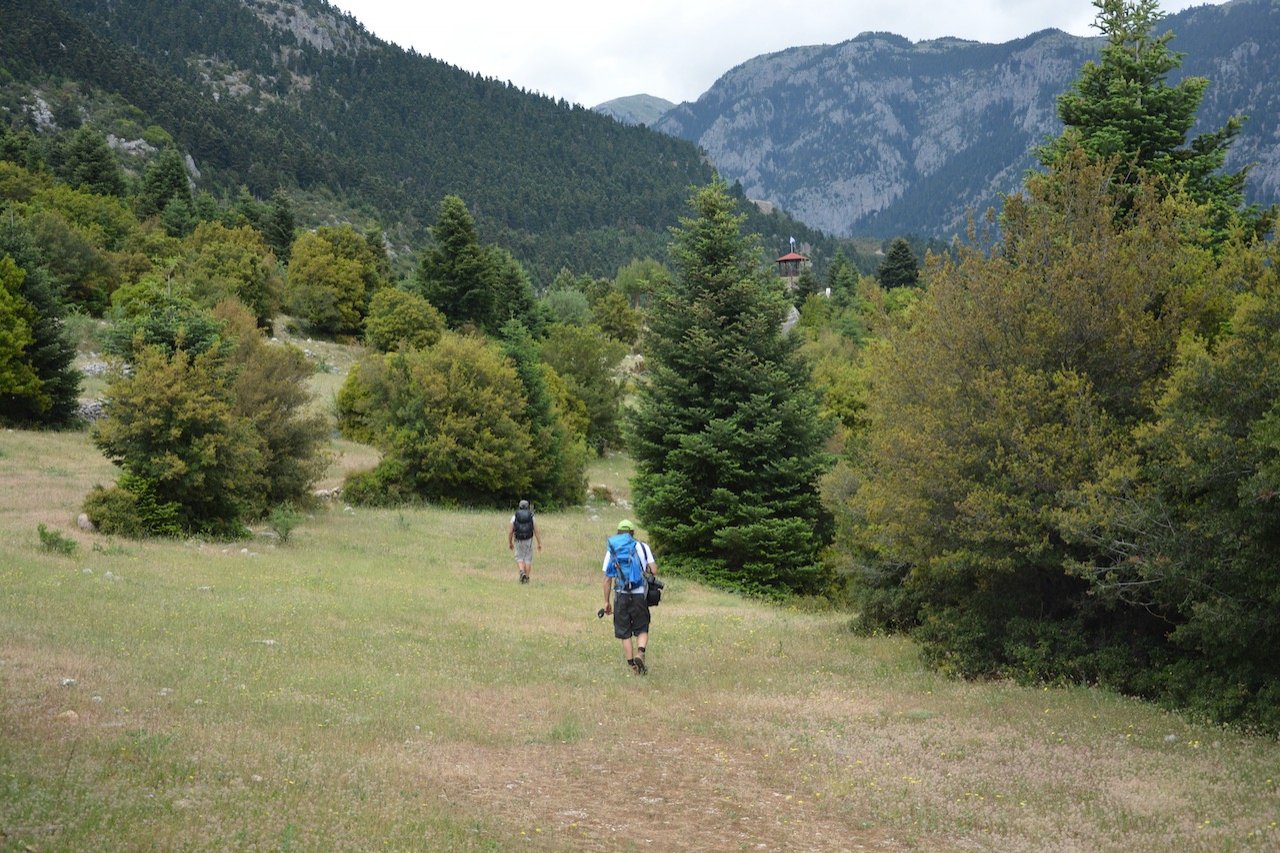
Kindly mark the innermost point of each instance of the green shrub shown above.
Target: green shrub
(449, 420)
(284, 518)
(52, 540)
(398, 317)
(131, 509)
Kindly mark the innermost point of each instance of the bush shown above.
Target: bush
(283, 520)
(398, 317)
(447, 420)
(52, 540)
(131, 509)
(171, 426)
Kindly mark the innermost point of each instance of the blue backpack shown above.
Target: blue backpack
(626, 562)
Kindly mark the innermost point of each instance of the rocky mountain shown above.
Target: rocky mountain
(881, 136)
(635, 109)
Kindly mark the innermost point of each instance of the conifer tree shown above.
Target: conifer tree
(39, 342)
(899, 267)
(456, 274)
(89, 164)
(1123, 107)
(163, 181)
(725, 433)
(279, 225)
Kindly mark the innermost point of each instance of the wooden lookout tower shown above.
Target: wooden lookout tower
(790, 265)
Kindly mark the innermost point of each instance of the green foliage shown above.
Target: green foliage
(18, 379)
(164, 181)
(131, 509)
(271, 392)
(641, 279)
(616, 318)
(449, 420)
(399, 317)
(1020, 375)
(1183, 530)
(456, 274)
(567, 307)
(80, 271)
(588, 360)
(55, 542)
(513, 292)
(899, 267)
(87, 163)
(283, 519)
(171, 424)
(220, 263)
(725, 430)
(279, 224)
(1122, 109)
(40, 384)
(150, 314)
(333, 274)
(558, 465)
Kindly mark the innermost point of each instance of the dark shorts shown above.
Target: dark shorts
(630, 615)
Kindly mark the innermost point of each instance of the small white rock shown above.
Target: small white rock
(68, 682)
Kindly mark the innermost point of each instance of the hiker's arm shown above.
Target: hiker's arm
(608, 583)
(537, 536)
(511, 536)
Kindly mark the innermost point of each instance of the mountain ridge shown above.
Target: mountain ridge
(880, 135)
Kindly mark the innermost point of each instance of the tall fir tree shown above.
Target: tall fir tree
(899, 267)
(1123, 107)
(164, 181)
(456, 274)
(46, 350)
(725, 431)
(87, 163)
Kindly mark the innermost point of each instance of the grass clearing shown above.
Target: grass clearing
(383, 680)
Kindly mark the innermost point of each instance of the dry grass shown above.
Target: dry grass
(383, 681)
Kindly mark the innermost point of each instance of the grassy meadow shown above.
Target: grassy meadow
(382, 681)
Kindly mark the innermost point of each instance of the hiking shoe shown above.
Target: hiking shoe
(524, 578)
(641, 669)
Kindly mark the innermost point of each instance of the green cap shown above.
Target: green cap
(626, 524)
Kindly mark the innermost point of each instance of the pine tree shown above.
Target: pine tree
(45, 348)
(279, 225)
(456, 274)
(1123, 107)
(164, 181)
(899, 267)
(725, 433)
(89, 164)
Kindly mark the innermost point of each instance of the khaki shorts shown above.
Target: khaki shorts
(524, 551)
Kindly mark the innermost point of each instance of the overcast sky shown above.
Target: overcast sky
(590, 51)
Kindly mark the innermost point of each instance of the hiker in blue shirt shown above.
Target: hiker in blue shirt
(625, 563)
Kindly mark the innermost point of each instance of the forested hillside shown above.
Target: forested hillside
(298, 95)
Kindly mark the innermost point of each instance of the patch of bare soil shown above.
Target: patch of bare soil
(677, 793)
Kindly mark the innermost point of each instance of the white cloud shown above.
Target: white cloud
(587, 51)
